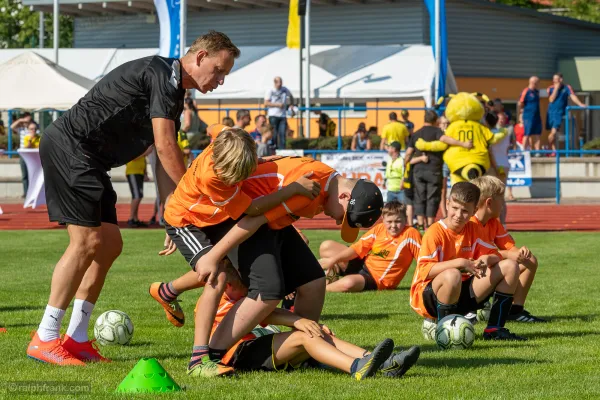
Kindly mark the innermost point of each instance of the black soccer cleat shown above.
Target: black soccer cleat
(369, 365)
(525, 316)
(398, 364)
(502, 334)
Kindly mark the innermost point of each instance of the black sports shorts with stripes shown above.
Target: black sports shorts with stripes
(136, 185)
(194, 242)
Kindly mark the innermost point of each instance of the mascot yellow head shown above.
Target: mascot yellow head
(464, 106)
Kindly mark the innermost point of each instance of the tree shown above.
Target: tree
(587, 10)
(19, 27)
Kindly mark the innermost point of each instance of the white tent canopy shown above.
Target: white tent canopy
(30, 81)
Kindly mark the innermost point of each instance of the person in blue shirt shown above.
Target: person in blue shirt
(409, 125)
(559, 100)
(529, 104)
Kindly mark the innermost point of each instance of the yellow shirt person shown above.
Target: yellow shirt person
(394, 131)
(31, 141)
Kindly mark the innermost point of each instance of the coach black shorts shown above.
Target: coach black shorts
(136, 185)
(357, 266)
(76, 192)
(274, 263)
(255, 355)
(194, 242)
(467, 302)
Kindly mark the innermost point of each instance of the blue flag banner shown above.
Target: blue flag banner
(430, 4)
(168, 12)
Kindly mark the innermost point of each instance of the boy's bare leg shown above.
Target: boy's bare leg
(502, 277)
(331, 248)
(310, 298)
(207, 309)
(527, 274)
(447, 286)
(421, 220)
(409, 215)
(347, 284)
(187, 282)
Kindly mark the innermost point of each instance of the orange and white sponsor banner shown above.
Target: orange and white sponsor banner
(359, 165)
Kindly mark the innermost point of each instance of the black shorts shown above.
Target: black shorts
(357, 266)
(467, 302)
(76, 192)
(427, 191)
(194, 242)
(274, 263)
(136, 185)
(255, 355)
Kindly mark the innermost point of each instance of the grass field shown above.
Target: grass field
(561, 359)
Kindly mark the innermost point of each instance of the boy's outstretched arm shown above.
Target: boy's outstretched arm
(475, 267)
(346, 255)
(279, 316)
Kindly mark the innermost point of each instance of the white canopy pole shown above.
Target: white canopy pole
(42, 34)
(182, 26)
(438, 52)
(307, 65)
(56, 40)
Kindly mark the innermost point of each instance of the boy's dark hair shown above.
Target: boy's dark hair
(393, 116)
(431, 117)
(394, 207)
(491, 118)
(465, 193)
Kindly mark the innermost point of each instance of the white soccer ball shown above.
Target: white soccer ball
(483, 315)
(428, 329)
(267, 330)
(113, 327)
(454, 332)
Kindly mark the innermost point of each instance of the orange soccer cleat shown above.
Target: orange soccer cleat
(172, 310)
(85, 351)
(51, 352)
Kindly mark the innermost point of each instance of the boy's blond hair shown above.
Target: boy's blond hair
(489, 187)
(394, 207)
(465, 193)
(234, 155)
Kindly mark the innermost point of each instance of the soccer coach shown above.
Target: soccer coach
(135, 106)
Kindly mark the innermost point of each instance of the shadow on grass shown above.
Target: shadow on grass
(374, 316)
(570, 334)
(158, 356)
(452, 362)
(478, 345)
(22, 325)
(21, 308)
(572, 318)
(139, 344)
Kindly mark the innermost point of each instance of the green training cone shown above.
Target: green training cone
(148, 376)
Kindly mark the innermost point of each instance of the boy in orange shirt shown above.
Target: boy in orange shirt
(379, 260)
(487, 216)
(308, 339)
(205, 205)
(457, 271)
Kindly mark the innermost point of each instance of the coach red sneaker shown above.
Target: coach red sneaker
(85, 351)
(51, 352)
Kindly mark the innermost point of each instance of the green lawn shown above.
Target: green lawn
(561, 359)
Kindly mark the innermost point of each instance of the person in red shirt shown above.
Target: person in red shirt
(379, 259)
(491, 230)
(457, 272)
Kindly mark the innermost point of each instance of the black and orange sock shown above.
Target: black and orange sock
(167, 292)
(198, 352)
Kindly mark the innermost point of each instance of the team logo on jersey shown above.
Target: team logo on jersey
(379, 253)
(175, 76)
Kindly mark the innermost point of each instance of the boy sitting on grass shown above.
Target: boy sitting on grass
(457, 271)
(308, 339)
(379, 260)
(491, 202)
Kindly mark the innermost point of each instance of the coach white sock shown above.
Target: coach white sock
(80, 320)
(49, 329)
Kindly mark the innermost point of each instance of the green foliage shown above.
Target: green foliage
(586, 10)
(592, 145)
(19, 27)
(16, 141)
(327, 143)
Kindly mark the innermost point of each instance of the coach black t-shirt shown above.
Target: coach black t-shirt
(112, 124)
(428, 134)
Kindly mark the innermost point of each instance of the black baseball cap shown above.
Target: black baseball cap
(364, 209)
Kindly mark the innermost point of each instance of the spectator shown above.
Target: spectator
(498, 108)
(519, 130)
(260, 121)
(191, 123)
(409, 125)
(228, 121)
(184, 146)
(499, 152)
(326, 126)
(372, 131)
(277, 99)
(529, 104)
(559, 100)
(20, 126)
(27, 129)
(361, 140)
(2, 128)
(136, 174)
(264, 148)
(242, 119)
(394, 174)
(427, 174)
(443, 124)
(394, 131)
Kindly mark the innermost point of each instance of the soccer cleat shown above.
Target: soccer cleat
(51, 352)
(369, 365)
(85, 351)
(502, 334)
(524, 316)
(472, 317)
(209, 369)
(172, 310)
(398, 364)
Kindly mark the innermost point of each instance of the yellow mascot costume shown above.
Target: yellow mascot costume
(465, 111)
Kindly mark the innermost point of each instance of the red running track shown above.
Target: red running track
(521, 217)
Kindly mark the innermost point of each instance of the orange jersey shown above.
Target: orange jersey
(201, 199)
(494, 232)
(440, 244)
(272, 176)
(386, 257)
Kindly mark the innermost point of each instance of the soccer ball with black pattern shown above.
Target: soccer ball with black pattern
(428, 329)
(483, 315)
(113, 327)
(454, 332)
